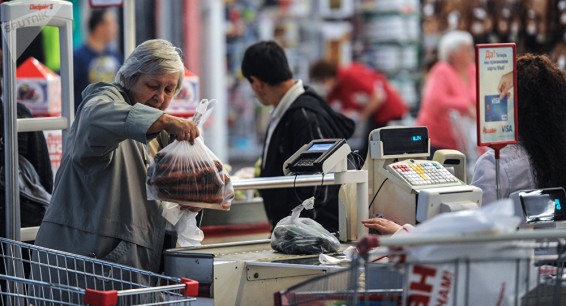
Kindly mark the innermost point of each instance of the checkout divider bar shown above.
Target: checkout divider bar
(284, 181)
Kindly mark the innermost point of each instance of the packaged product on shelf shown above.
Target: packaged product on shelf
(185, 102)
(38, 88)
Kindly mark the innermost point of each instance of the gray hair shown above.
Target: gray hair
(451, 41)
(154, 57)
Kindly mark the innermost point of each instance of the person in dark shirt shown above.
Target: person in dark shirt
(95, 61)
(299, 115)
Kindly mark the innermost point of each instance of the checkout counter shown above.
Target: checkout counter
(250, 272)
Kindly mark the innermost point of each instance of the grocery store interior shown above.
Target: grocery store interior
(233, 253)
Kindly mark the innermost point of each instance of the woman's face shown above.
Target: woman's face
(464, 55)
(154, 90)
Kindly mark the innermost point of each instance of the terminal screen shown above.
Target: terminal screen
(321, 146)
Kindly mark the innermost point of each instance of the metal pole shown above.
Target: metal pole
(213, 75)
(497, 186)
(129, 27)
(12, 192)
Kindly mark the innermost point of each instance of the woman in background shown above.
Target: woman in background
(450, 86)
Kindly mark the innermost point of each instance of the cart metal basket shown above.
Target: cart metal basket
(32, 275)
(533, 274)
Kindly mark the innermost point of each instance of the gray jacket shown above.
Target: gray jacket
(99, 195)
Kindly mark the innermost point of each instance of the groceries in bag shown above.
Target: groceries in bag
(190, 175)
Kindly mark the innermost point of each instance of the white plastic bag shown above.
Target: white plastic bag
(435, 277)
(294, 235)
(188, 233)
(184, 223)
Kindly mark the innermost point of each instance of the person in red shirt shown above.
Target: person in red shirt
(359, 92)
(450, 90)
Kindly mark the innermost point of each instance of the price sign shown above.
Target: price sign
(496, 94)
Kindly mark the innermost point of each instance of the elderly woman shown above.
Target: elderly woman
(450, 86)
(99, 206)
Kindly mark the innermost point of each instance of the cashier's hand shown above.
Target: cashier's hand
(382, 225)
(505, 84)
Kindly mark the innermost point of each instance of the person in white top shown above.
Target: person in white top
(537, 160)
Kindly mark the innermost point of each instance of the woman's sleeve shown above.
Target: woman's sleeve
(440, 89)
(106, 121)
(484, 178)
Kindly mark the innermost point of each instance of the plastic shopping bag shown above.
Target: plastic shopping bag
(294, 235)
(190, 175)
(184, 223)
(493, 273)
(188, 233)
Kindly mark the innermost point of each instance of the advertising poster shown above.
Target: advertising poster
(496, 94)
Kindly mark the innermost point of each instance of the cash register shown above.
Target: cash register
(406, 187)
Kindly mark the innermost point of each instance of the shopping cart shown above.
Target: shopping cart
(32, 275)
(528, 270)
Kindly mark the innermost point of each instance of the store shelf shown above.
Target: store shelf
(391, 34)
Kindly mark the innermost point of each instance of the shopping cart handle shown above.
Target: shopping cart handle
(191, 287)
(367, 243)
(101, 298)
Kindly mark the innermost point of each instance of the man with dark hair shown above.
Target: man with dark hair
(299, 115)
(95, 61)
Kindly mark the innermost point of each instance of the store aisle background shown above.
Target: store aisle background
(396, 37)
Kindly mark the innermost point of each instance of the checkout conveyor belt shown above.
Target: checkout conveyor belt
(250, 251)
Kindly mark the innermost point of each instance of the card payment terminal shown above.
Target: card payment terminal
(318, 156)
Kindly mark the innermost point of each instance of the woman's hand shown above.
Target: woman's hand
(384, 226)
(183, 129)
(505, 84)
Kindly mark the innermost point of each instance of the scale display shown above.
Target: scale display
(496, 94)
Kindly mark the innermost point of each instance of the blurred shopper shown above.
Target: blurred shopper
(99, 206)
(32, 148)
(536, 161)
(361, 93)
(299, 115)
(96, 60)
(450, 87)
